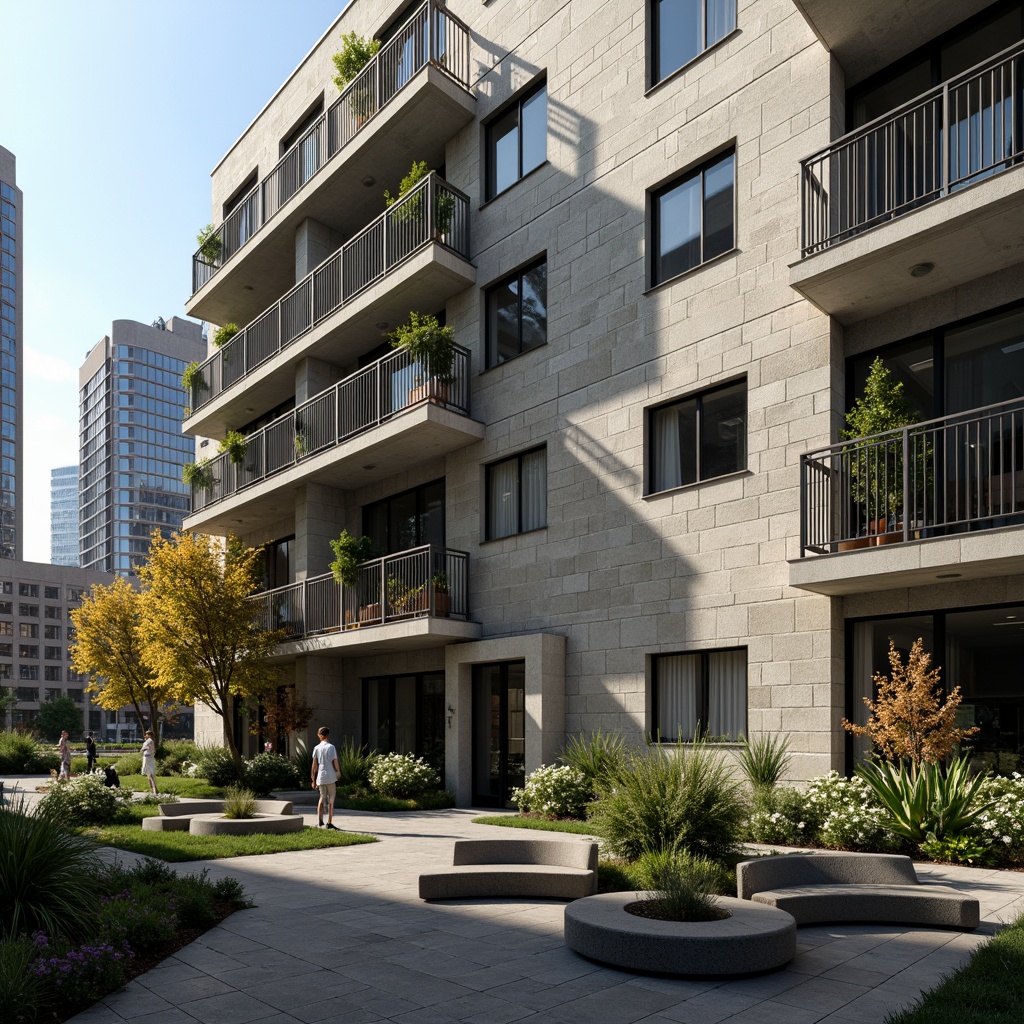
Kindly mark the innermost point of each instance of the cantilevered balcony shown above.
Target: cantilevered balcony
(413, 256)
(405, 105)
(413, 599)
(923, 199)
(390, 416)
(941, 500)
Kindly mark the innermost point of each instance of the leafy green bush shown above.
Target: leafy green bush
(559, 792)
(684, 799)
(173, 755)
(85, 801)
(17, 753)
(402, 775)
(74, 978)
(216, 765)
(1001, 824)
(21, 991)
(600, 758)
(764, 760)
(266, 772)
(354, 762)
(129, 764)
(777, 816)
(140, 916)
(239, 803)
(681, 887)
(195, 901)
(844, 814)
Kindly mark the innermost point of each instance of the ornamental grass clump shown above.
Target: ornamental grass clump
(600, 757)
(354, 763)
(764, 760)
(402, 776)
(555, 792)
(239, 802)
(680, 887)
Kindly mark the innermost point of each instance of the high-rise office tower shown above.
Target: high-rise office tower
(64, 515)
(132, 449)
(11, 305)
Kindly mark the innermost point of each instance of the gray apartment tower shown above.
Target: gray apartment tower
(64, 515)
(12, 497)
(132, 449)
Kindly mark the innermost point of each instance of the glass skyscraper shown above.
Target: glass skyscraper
(64, 515)
(11, 494)
(132, 449)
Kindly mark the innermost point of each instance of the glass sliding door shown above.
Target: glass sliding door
(405, 715)
(499, 732)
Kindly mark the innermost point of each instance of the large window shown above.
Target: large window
(693, 218)
(517, 140)
(406, 715)
(407, 520)
(703, 694)
(517, 494)
(698, 438)
(681, 29)
(517, 313)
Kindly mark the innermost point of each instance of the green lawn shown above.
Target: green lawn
(179, 785)
(580, 828)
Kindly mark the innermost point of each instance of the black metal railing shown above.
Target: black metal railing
(432, 212)
(959, 472)
(433, 35)
(428, 581)
(954, 135)
(358, 403)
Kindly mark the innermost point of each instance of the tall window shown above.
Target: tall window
(693, 218)
(699, 438)
(517, 494)
(701, 694)
(682, 29)
(517, 140)
(407, 520)
(517, 313)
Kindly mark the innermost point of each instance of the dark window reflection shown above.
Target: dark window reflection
(684, 28)
(517, 314)
(407, 520)
(517, 141)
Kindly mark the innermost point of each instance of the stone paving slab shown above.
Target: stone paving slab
(340, 935)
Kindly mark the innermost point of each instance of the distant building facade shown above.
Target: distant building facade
(64, 515)
(11, 467)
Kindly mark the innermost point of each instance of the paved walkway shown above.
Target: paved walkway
(339, 935)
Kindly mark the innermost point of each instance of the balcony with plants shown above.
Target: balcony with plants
(409, 95)
(414, 255)
(920, 200)
(410, 599)
(409, 406)
(901, 502)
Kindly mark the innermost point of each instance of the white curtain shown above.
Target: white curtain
(667, 469)
(727, 694)
(503, 499)
(678, 680)
(721, 19)
(535, 491)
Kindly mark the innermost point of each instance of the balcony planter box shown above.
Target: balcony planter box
(856, 543)
(439, 394)
(369, 613)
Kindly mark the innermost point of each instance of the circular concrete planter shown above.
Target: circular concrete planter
(218, 825)
(754, 938)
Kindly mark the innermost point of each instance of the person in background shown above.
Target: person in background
(324, 776)
(149, 760)
(90, 753)
(65, 756)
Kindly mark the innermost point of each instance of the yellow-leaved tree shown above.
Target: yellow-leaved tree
(200, 635)
(108, 648)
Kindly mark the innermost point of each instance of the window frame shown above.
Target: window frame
(518, 459)
(654, 196)
(703, 695)
(654, 32)
(517, 275)
(517, 102)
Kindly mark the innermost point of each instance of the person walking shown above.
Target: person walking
(65, 755)
(149, 760)
(324, 773)
(90, 753)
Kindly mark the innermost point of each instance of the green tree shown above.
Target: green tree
(108, 648)
(8, 702)
(200, 635)
(56, 715)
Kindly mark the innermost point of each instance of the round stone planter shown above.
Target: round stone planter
(754, 938)
(218, 825)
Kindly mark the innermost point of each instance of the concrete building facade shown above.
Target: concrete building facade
(671, 239)
(64, 515)
(12, 306)
(131, 446)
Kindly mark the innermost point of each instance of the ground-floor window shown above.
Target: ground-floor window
(981, 650)
(702, 693)
(405, 715)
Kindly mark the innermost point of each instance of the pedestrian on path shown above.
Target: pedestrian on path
(324, 774)
(90, 753)
(149, 760)
(65, 755)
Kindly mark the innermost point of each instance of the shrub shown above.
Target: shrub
(46, 876)
(174, 754)
(85, 801)
(82, 975)
(43, 762)
(21, 992)
(129, 764)
(600, 758)
(266, 772)
(239, 802)
(17, 752)
(844, 814)
(194, 901)
(355, 53)
(402, 775)
(1001, 824)
(558, 792)
(777, 816)
(216, 765)
(139, 916)
(684, 799)
(764, 760)
(683, 887)
(354, 763)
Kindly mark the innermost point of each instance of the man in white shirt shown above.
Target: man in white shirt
(324, 776)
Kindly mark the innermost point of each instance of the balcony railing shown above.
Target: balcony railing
(954, 135)
(429, 581)
(431, 36)
(432, 212)
(360, 402)
(959, 472)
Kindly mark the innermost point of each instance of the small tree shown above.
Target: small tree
(8, 702)
(108, 648)
(56, 715)
(282, 712)
(201, 636)
(355, 53)
(913, 718)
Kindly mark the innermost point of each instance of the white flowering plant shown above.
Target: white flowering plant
(85, 800)
(844, 814)
(402, 776)
(554, 791)
(1001, 826)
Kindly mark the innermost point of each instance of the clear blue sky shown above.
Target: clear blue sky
(117, 113)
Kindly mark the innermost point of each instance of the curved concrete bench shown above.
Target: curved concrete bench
(217, 825)
(178, 816)
(818, 887)
(542, 869)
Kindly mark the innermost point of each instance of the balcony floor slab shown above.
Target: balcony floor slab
(406, 635)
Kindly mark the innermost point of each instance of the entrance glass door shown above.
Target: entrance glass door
(499, 732)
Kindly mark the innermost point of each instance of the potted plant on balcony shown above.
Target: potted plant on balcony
(192, 379)
(210, 245)
(224, 334)
(876, 469)
(442, 598)
(235, 445)
(431, 348)
(197, 475)
(355, 53)
(349, 553)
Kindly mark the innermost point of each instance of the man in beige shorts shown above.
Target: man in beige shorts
(324, 776)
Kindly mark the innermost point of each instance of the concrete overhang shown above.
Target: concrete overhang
(419, 120)
(916, 563)
(423, 283)
(392, 637)
(868, 35)
(416, 435)
(974, 232)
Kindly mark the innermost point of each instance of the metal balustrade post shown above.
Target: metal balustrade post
(946, 129)
(906, 483)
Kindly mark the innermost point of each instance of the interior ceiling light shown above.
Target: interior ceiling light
(921, 269)
(246, 287)
(369, 181)
(949, 576)
(922, 364)
(383, 325)
(371, 465)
